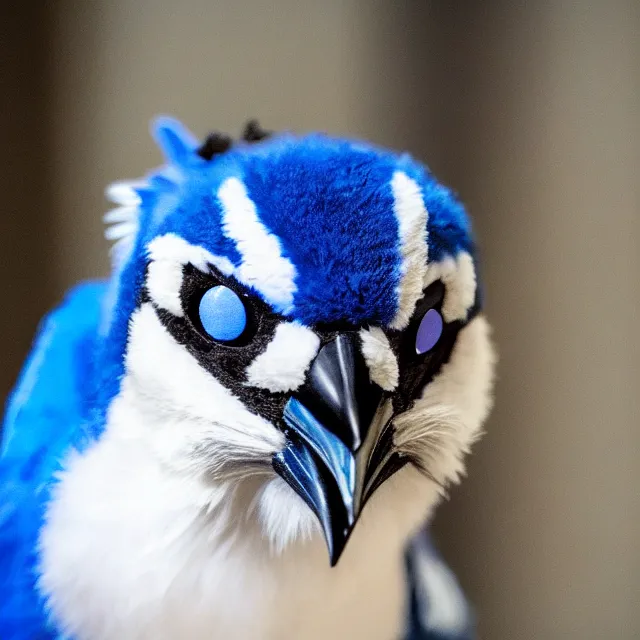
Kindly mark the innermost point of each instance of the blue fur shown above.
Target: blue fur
(448, 225)
(51, 402)
(320, 196)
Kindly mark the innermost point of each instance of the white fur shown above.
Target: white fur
(195, 414)
(443, 424)
(168, 254)
(147, 538)
(121, 229)
(263, 265)
(284, 363)
(411, 214)
(164, 280)
(123, 222)
(123, 192)
(132, 551)
(284, 517)
(173, 525)
(382, 362)
(459, 277)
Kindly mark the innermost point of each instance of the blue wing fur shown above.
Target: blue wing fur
(48, 409)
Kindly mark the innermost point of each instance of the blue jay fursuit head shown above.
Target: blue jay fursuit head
(241, 434)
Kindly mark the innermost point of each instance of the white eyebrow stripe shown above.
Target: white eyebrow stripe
(412, 215)
(380, 359)
(283, 365)
(459, 278)
(263, 266)
(168, 254)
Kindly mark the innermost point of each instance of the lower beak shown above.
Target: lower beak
(339, 440)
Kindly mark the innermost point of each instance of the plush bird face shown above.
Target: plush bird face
(300, 310)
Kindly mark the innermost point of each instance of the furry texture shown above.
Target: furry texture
(379, 356)
(202, 548)
(459, 276)
(166, 520)
(282, 524)
(334, 190)
(123, 221)
(263, 267)
(52, 401)
(284, 363)
(168, 254)
(411, 213)
(442, 425)
(197, 423)
(194, 546)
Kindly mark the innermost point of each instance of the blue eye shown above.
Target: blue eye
(429, 331)
(222, 314)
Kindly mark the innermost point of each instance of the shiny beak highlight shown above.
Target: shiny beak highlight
(339, 440)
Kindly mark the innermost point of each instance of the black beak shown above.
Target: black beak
(339, 440)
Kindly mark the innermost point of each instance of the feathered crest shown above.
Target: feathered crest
(182, 151)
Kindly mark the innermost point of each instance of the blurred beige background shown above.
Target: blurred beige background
(530, 110)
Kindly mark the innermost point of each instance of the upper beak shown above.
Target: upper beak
(339, 440)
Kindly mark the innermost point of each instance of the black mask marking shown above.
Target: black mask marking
(417, 370)
(228, 362)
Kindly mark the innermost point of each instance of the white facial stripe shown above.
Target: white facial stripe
(382, 362)
(263, 265)
(412, 216)
(284, 363)
(168, 254)
(459, 278)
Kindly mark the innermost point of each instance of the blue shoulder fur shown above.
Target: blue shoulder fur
(49, 408)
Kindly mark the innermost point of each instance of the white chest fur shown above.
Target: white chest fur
(133, 550)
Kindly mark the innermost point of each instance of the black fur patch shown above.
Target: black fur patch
(417, 370)
(227, 362)
(217, 143)
(213, 145)
(253, 132)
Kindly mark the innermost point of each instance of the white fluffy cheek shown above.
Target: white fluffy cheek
(170, 402)
(402, 503)
(466, 380)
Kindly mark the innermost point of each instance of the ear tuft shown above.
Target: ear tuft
(253, 132)
(176, 142)
(214, 144)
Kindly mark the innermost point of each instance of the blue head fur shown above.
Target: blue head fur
(320, 196)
